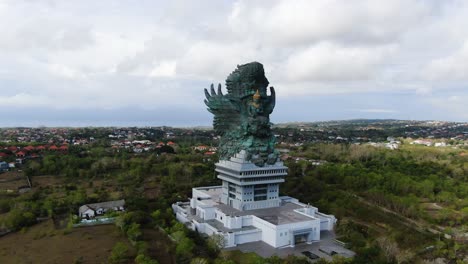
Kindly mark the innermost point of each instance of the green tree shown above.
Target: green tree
(134, 233)
(143, 259)
(18, 219)
(185, 247)
(119, 254)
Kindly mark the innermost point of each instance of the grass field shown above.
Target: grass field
(43, 243)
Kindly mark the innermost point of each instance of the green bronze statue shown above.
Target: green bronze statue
(242, 116)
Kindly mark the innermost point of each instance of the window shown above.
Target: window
(264, 191)
(260, 198)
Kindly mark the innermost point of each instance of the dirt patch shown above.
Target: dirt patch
(42, 243)
(44, 181)
(12, 180)
(431, 206)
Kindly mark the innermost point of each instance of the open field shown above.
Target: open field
(11, 181)
(46, 180)
(42, 243)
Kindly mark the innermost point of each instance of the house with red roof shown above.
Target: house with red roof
(63, 148)
(29, 148)
(53, 148)
(20, 154)
(40, 148)
(12, 148)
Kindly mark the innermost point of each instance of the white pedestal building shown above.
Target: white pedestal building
(247, 207)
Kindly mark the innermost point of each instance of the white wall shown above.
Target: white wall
(234, 222)
(248, 236)
(281, 235)
(261, 204)
(89, 212)
(327, 221)
(268, 230)
(247, 220)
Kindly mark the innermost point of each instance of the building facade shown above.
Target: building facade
(247, 207)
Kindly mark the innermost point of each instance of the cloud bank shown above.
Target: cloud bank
(81, 56)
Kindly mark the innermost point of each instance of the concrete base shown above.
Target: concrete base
(289, 223)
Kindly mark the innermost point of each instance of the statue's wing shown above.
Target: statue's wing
(271, 101)
(225, 109)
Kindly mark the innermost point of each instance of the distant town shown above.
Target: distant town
(20, 144)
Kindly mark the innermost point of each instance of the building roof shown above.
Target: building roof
(284, 214)
(12, 148)
(105, 205)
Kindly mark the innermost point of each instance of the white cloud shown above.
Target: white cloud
(453, 67)
(109, 54)
(303, 21)
(331, 62)
(25, 100)
(376, 110)
(164, 69)
(454, 106)
(64, 71)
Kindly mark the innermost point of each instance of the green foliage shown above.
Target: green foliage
(134, 233)
(199, 261)
(184, 245)
(216, 243)
(401, 181)
(142, 259)
(119, 254)
(398, 180)
(4, 206)
(17, 219)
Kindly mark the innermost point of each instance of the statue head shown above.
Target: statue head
(246, 80)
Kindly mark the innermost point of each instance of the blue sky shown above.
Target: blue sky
(80, 63)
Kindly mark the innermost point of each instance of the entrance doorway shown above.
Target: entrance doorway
(302, 238)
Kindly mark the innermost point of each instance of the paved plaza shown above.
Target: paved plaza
(322, 248)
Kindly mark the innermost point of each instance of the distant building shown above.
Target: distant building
(440, 144)
(422, 142)
(97, 209)
(201, 148)
(392, 145)
(4, 166)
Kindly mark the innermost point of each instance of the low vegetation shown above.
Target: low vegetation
(387, 201)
